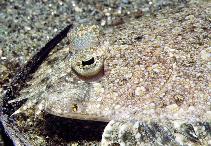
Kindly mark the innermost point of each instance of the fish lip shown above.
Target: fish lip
(80, 116)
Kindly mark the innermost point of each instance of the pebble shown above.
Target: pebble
(128, 75)
(125, 1)
(139, 91)
(208, 115)
(206, 54)
(172, 108)
(103, 22)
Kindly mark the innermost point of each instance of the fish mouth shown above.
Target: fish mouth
(79, 116)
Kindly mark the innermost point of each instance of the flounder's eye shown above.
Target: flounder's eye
(84, 37)
(87, 64)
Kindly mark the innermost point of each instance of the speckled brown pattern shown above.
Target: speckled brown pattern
(155, 69)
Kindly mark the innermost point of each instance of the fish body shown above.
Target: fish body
(150, 70)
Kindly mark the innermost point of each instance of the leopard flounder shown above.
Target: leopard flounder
(151, 69)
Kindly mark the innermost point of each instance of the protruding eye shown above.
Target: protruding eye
(84, 37)
(87, 65)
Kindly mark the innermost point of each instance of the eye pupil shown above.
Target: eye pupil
(88, 62)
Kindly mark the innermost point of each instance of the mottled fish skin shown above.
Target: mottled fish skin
(131, 133)
(154, 69)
